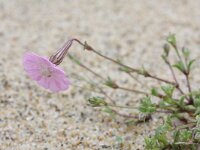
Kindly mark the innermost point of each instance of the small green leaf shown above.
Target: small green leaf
(190, 64)
(185, 135)
(176, 135)
(186, 53)
(146, 106)
(164, 57)
(162, 139)
(167, 126)
(143, 72)
(124, 69)
(166, 49)
(107, 110)
(168, 90)
(198, 120)
(172, 39)
(181, 101)
(180, 66)
(197, 102)
(111, 83)
(197, 111)
(151, 144)
(97, 101)
(154, 91)
(169, 100)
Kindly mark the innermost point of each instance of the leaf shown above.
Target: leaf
(197, 111)
(180, 66)
(164, 57)
(190, 64)
(168, 90)
(176, 135)
(143, 72)
(186, 53)
(167, 126)
(151, 144)
(107, 110)
(111, 83)
(146, 106)
(185, 135)
(124, 69)
(172, 39)
(97, 101)
(197, 102)
(198, 120)
(166, 49)
(154, 91)
(181, 101)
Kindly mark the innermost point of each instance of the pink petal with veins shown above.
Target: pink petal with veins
(47, 74)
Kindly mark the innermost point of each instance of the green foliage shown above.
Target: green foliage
(124, 69)
(189, 65)
(172, 39)
(186, 53)
(143, 72)
(168, 90)
(97, 101)
(160, 139)
(197, 105)
(197, 102)
(180, 66)
(181, 102)
(166, 49)
(146, 106)
(178, 103)
(108, 110)
(154, 91)
(182, 139)
(110, 83)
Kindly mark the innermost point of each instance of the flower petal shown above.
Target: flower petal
(44, 82)
(35, 66)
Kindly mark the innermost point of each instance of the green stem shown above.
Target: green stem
(102, 78)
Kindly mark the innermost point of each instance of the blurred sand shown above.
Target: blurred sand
(132, 30)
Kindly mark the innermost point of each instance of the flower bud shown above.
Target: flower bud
(166, 49)
(60, 54)
(172, 39)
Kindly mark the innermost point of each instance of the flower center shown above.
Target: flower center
(45, 71)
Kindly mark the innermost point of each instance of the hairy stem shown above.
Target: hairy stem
(132, 90)
(87, 47)
(102, 78)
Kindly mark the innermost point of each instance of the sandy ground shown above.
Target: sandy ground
(131, 30)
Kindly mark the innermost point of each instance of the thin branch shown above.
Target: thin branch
(102, 78)
(188, 83)
(134, 78)
(87, 47)
(174, 76)
(123, 115)
(132, 90)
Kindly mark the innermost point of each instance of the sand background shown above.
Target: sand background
(130, 30)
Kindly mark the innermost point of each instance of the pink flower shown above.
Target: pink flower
(45, 73)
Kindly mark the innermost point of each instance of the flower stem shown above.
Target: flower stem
(132, 90)
(102, 78)
(87, 47)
